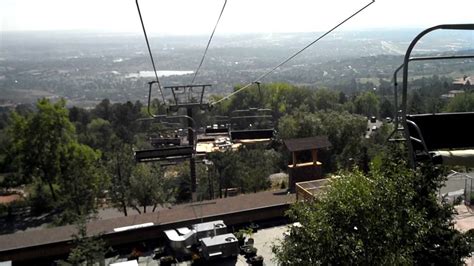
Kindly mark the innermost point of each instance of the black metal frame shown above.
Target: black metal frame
(167, 149)
(165, 153)
(424, 58)
(261, 133)
(219, 130)
(407, 123)
(189, 93)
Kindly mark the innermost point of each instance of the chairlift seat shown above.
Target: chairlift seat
(446, 136)
(442, 130)
(252, 134)
(164, 153)
(210, 131)
(158, 142)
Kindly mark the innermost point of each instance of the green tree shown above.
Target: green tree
(257, 166)
(82, 182)
(45, 147)
(80, 117)
(344, 131)
(416, 104)
(100, 135)
(39, 141)
(88, 250)
(367, 104)
(120, 167)
(226, 163)
(387, 109)
(389, 217)
(326, 99)
(247, 168)
(148, 187)
(461, 103)
(124, 120)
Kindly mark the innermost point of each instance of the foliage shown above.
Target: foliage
(45, 148)
(88, 250)
(366, 104)
(148, 187)
(416, 105)
(390, 216)
(244, 232)
(247, 168)
(100, 135)
(120, 166)
(39, 199)
(387, 109)
(461, 103)
(344, 131)
(39, 141)
(81, 183)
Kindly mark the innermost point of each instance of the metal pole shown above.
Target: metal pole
(465, 190)
(405, 77)
(470, 192)
(192, 160)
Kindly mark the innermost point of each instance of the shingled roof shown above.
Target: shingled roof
(310, 143)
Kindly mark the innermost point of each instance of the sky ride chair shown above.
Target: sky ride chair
(253, 124)
(220, 127)
(165, 144)
(439, 138)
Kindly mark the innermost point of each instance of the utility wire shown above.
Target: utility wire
(292, 56)
(151, 55)
(208, 43)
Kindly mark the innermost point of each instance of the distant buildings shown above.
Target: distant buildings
(459, 86)
(305, 165)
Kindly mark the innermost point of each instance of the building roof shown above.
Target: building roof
(464, 81)
(178, 213)
(310, 143)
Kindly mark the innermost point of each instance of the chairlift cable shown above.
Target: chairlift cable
(208, 43)
(292, 56)
(151, 55)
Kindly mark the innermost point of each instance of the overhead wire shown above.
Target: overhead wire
(151, 55)
(208, 43)
(292, 56)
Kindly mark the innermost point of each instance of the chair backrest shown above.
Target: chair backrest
(216, 130)
(164, 153)
(251, 134)
(443, 130)
(156, 142)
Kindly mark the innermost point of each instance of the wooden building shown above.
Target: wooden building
(305, 165)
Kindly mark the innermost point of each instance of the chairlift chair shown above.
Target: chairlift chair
(186, 96)
(251, 124)
(438, 137)
(220, 127)
(165, 148)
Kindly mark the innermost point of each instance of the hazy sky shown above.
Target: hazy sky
(198, 16)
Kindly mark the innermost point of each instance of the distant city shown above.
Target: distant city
(86, 67)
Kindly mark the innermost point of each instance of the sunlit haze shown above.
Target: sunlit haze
(185, 17)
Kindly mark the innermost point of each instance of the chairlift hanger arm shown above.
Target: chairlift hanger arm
(209, 43)
(252, 110)
(167, 117)
(151, 55)
(150, 85)
(421, 58)
(410, 49)
(251, 116)
(405, 76)
(187, 90)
